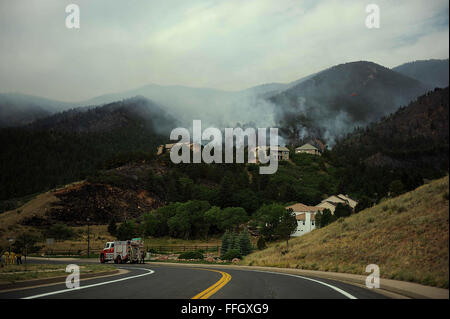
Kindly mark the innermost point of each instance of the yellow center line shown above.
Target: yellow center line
(208, 292)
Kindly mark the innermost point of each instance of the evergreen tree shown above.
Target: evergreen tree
(396, 188)
(226, 238)
(261, 243)
(227, 190)
(235, 242)
(286, 226)
(112, 227)
(245, 243)
(342, 210)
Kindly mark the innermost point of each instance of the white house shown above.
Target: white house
(305, 216)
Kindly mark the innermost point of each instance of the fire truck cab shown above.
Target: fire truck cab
(122, 251)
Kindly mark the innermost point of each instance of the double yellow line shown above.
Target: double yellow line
(205, 294)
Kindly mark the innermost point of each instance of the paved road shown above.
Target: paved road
(168, 282)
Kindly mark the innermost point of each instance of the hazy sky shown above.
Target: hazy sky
(230, 45)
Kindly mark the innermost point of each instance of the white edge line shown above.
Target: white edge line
(149, 272)
(346, 294)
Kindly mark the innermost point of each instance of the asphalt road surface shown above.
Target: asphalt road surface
(194, 282)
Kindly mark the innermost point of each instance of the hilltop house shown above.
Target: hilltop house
(308, 149)
(281, 151)
(332, 201)
(305, 216)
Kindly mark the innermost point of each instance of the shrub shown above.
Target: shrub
(401, 209)
(191, 255)
(261, 243)
(60, 232)
(231, 254)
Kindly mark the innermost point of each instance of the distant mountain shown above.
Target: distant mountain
(434, 73)
(334, 101)
(71, 145)
(109, 117)
(20, 109)
(214, 107)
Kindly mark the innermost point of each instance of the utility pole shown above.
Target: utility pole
(88, 237)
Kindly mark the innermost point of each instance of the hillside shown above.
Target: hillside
(134, 186)
(334, 101)
(409, 145)
(71, 145)
(432, 72)
(406, 236)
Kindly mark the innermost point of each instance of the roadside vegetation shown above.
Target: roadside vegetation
(14, 273)
(406, 236)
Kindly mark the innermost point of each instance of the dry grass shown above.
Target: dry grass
(9, 221)
(37, 206)
(407, 237)
(13, 273)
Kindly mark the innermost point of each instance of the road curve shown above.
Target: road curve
(188, 282)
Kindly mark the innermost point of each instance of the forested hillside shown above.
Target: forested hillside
(334, 101)
(71, 145)
(410, 145)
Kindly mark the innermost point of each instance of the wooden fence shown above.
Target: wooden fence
(160, 249)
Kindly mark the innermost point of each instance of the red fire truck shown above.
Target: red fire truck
(122, 251)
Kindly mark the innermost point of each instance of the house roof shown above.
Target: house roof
(306, 147)
(327, 202)
(302, 217)
(299, 207)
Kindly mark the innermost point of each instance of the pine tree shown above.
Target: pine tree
(235, 242)
(112, 227)
(261, 243)
(226, 241)
(245, 243)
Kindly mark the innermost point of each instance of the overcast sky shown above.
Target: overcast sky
(229, 45)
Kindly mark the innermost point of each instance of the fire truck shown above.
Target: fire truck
(122, 251)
